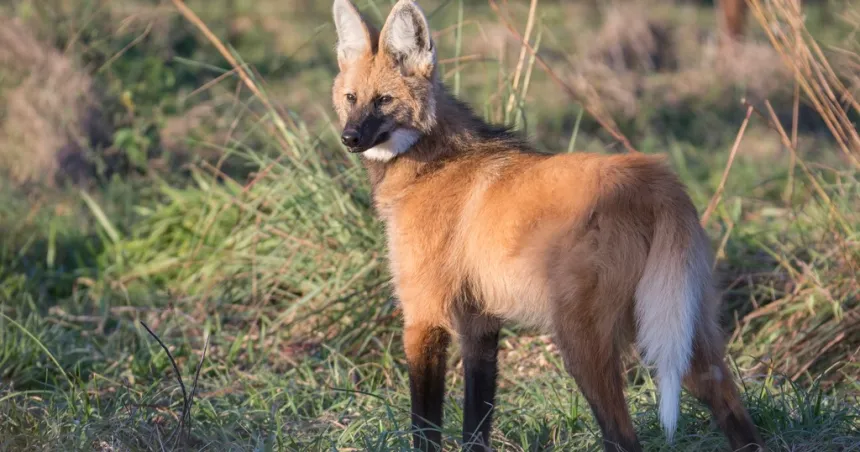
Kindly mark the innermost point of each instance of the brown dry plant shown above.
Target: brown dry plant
(813, 327)
(51, 115)
(823, 88)
(630, 40)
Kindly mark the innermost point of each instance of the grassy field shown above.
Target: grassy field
(188, 259)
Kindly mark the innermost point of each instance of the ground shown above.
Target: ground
(159, 193)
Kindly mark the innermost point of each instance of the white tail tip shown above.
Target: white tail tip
(670, 392)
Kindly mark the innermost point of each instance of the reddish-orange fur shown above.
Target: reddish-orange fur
(481, 230)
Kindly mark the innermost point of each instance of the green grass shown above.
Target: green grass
(254, 241)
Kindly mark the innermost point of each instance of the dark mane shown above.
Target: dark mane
(496, 135)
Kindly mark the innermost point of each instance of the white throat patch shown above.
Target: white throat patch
(399, 142)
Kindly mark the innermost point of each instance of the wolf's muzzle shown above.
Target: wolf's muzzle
(357, 143)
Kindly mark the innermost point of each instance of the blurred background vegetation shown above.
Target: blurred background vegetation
(148, 176)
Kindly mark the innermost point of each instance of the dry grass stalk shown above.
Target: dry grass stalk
(244, 75)
(517, 73)
(715, 200)
(822, 87)
(589, 98)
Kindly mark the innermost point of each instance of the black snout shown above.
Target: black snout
(362, 130)
(350, 137)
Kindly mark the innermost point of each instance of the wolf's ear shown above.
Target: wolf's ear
(354, 36)
(406, 38)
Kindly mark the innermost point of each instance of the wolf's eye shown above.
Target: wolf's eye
(385, 99)
(350, 98)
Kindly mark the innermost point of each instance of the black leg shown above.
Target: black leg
(710, 381)
(426, 353)
(481, 368)
(597, 371)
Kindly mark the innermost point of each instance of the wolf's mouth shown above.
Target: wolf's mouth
(381, 138)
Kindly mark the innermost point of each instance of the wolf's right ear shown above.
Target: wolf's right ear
(353, 34)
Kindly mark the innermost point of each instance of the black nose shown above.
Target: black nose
(350, 137)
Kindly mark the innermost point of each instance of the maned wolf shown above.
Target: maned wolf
(598, 250)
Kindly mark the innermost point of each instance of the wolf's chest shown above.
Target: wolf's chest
(431, 252)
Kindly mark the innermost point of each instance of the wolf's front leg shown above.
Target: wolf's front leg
(426, 352)
(479, 340)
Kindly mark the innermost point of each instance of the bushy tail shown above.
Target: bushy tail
(668, 300)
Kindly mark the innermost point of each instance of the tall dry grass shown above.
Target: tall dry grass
(783, 22)
(813, 327)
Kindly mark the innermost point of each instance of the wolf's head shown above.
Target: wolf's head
(384, 94)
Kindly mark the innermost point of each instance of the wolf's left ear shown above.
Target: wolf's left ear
(354, 36)
(406, 37)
